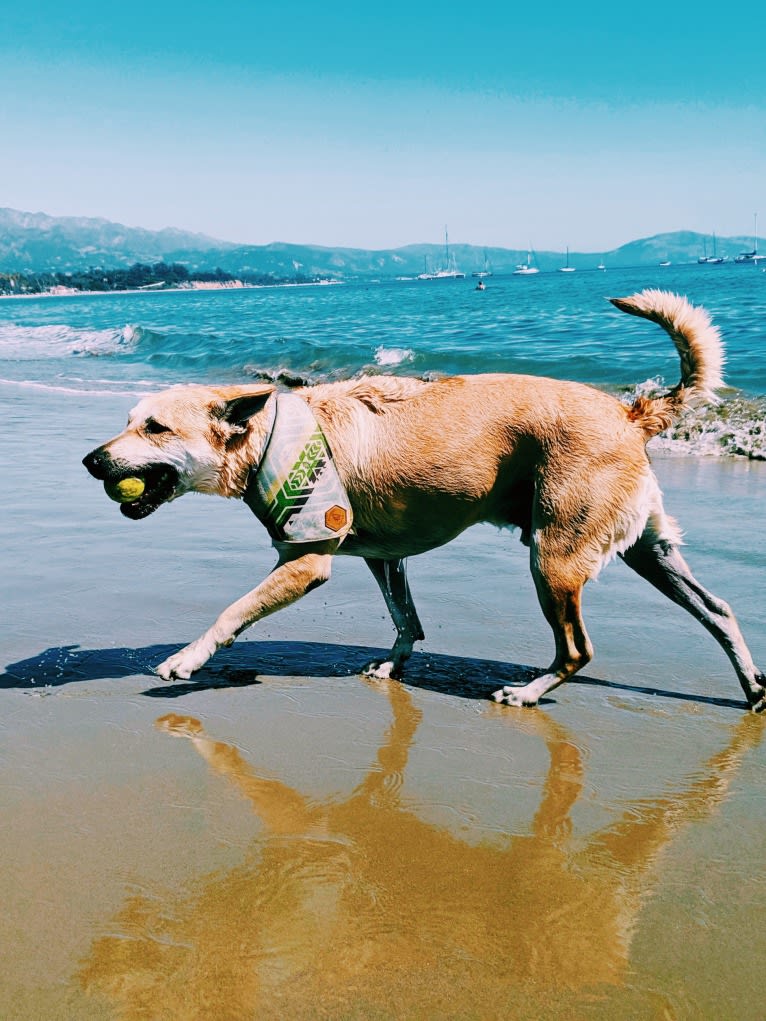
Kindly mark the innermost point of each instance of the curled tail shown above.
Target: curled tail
(699, 346)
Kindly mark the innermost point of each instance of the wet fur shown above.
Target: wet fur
(422, 461)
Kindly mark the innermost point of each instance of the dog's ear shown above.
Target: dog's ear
(239, 404)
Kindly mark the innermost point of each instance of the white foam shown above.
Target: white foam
(30, 384)
(393, 355)
(735, 426)
(738, 432)
(33, 343)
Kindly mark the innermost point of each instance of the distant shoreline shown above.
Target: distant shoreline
(61, 291)
(239, 286)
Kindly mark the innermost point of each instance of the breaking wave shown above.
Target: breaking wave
(736, 427)
(35, 343)
(393, 355)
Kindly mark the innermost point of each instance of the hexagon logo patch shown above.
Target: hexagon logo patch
(335, 518)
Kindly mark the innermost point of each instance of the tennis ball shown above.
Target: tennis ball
(126, 490)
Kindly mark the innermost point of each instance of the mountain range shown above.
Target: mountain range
(36, 242)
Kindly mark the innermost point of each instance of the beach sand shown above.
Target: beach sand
(280, 838)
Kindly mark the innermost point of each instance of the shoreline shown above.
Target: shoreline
(173, 290)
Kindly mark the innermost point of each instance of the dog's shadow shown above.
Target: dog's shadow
(241, 665)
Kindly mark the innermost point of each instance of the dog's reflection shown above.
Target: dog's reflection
(358, 907)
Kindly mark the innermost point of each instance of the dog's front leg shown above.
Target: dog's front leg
(391, 577)
(299, 569)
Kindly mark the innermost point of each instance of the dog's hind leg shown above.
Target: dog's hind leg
(561, 604)
(561, 558)
(660, 562)
(391, 576)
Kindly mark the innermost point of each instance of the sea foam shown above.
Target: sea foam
(111, 389)
(393, 355)
(734, 427)
(35, 343)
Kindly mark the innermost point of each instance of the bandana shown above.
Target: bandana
(295, 490)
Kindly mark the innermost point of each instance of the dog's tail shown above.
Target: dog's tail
(699, 346)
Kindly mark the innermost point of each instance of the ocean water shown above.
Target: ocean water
(552, 324)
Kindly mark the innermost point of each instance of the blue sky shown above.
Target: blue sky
(585, 125)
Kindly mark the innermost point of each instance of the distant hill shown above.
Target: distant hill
(679, 246)
(36, 242)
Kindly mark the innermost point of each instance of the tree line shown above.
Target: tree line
(159, 275)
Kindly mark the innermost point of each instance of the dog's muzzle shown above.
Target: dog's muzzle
(99, 464)
(160, 481)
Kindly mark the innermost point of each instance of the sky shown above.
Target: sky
(376, 125)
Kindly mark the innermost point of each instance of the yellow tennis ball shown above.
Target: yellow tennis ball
(126, 490)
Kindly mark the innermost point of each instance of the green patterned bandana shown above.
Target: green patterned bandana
(295, 490)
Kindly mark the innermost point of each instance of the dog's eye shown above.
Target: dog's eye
(155, 428)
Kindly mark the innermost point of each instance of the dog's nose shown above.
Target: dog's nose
(95, 462)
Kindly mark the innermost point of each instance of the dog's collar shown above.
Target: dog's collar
(295, 490)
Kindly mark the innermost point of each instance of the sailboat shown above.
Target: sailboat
(753, 258)
(715, 259)
(448, 271)
(486, 271)
(426, 274)
(526, 269)
(566, 268)
(601, 264)
(710, 260)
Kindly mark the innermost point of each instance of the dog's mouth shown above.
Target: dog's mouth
(160, 483)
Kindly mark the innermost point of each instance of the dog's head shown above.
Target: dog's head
(186, 439)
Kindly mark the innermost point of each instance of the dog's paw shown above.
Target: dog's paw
(514, 696)
(182, 665)
(174, 669)
(381, 669)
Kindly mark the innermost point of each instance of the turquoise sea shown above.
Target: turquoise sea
(552, 324)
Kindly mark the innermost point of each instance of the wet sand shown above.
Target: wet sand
(280, 838)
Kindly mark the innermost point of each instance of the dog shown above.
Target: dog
(388, 467)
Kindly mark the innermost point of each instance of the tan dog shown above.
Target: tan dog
(422, 461)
